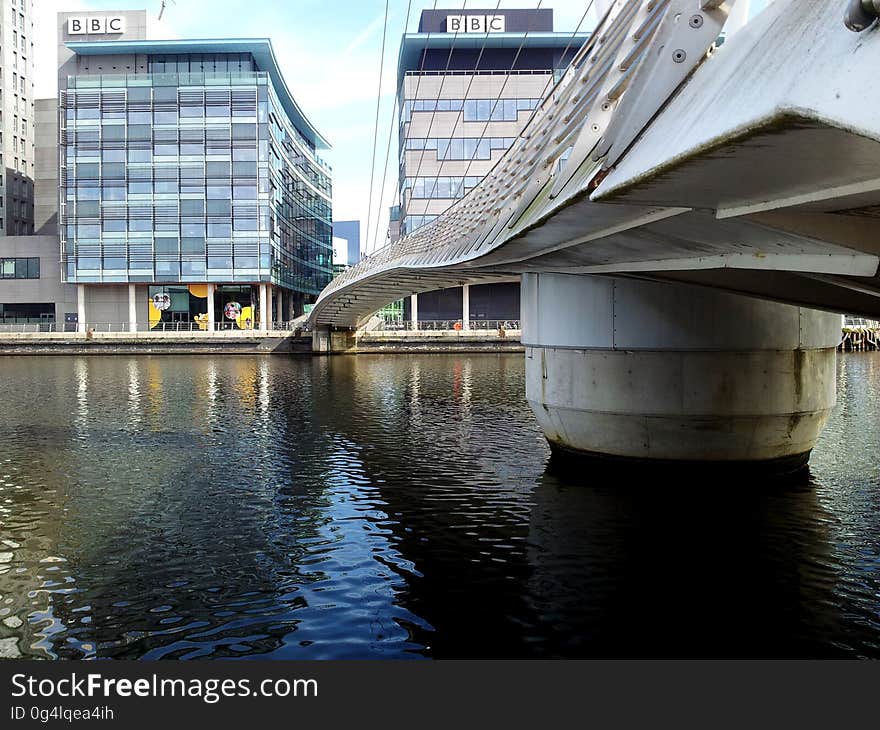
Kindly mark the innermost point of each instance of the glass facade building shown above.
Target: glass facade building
(463, 99)
(198, 167)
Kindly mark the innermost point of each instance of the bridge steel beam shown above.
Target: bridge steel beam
(626, 369)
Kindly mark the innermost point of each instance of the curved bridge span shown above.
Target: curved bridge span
(678, 213)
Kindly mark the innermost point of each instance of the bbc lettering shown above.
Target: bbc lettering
(474, 23)
(96, 25)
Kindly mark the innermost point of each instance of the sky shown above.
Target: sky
(329, 52)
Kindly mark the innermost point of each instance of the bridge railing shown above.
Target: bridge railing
(451, 325)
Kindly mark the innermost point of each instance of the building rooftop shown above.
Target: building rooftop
(259, 48)
(412, 44)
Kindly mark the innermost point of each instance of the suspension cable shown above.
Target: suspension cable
(376, 126)
(388, 145)
(550, 81)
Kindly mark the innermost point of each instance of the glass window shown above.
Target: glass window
(138, 224)
(87, 208)
(192, 207)
(245, 223)
(87, 170)
(140, 132)
(167, 269)
(112, 192)
(244, 153)
(114, 170)
(139, 155)
(244, 131)
(244, 192)
(166, 246)
(138, 94)
(113, 132)
(84, 230)
(192, 112)
(219, 192)
(165, 150)
(165, 94)
(33, 268)
(140, 188)
(244, 169)
(188, 230)
(192, 149)
(219, 208)
(165, 117)
(87, 193)
(193, 245)
(113, 226)
(139, 118)
(218, 169)
(219, 230)
(192, 268)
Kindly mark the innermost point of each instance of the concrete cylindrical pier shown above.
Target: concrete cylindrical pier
(640, 370)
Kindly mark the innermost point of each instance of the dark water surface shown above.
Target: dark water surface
(173, 507)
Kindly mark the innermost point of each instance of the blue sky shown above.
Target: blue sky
(329, 53)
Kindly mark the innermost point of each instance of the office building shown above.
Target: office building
(350, 232)
(468, 84)
(17, 117)
(191, 189)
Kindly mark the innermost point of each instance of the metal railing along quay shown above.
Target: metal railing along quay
(169, 328)
(452, 325)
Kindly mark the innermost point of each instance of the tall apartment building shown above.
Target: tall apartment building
(468, 84)
(17, 109)
(190, 185)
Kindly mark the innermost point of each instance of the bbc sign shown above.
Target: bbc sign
(474, 23)
(96, 25)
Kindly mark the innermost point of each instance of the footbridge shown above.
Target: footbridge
(688, 220)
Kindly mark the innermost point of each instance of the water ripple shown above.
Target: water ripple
(401, 507)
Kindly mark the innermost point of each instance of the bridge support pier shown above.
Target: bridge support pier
(327, 340)
(654, 372)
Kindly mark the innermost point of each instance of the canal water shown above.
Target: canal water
(401, 507)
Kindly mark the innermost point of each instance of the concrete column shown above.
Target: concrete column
(321, 339)
(132, 308)
(466, 306)
(669, 373)
(414, 311)
(211, 323)
(81, 307)
(279, 305)
(264, 308)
